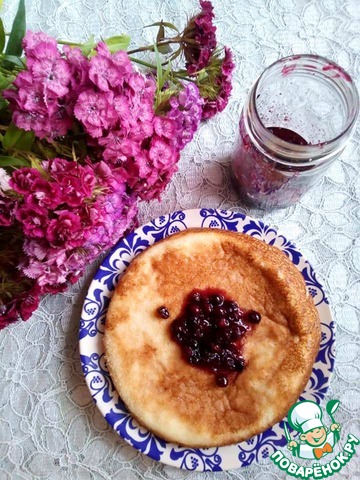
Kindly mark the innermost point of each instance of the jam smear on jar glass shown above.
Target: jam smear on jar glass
(210, 331)
(288, 135)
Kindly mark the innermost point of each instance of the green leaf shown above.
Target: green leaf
(11, 136)
(88, 46)
(159, 38)
(161, 33)
(14, 45)
(164, 49)
(13, 162)
(3, 104)
(175, 54)
(2, 36)
(18, 138)
(26, 141)
(14, 60)
(5, 81)
(165, 24)
(167, 73)
(159, 70)
(120, 42)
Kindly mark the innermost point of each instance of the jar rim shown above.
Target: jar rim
(303, 153)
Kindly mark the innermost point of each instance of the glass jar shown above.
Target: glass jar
(298, 117)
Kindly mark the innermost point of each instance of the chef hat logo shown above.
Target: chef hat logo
(305, 416)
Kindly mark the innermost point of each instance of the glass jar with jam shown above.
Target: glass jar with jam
(297, 119)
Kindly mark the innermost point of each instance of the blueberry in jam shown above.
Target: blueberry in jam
(209, 331)
(163, 312)
(254, 317)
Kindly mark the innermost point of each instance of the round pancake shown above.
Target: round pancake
(182, 403)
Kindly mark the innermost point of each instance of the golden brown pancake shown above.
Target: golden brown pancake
(180, 402)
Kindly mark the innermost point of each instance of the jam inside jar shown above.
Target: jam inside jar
(297, 119)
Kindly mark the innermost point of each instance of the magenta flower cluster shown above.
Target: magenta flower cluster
(223, 85)
(112, 103)
(202, 30)
(68, 214)
(200, 49)
(39, 102)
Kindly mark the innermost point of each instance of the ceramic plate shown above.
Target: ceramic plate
(258, 448)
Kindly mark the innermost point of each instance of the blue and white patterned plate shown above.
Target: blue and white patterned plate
(258, 448)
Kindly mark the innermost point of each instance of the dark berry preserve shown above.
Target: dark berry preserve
(163, 312)
(210, 330)
(288, 135)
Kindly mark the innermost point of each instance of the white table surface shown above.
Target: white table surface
(49, 425)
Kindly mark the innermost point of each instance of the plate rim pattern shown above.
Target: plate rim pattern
(257, 449)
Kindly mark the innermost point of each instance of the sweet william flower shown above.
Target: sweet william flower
(47, 272)
(37, 248)
(65, 229)
(22, 179)
(142, 85)
(79, 71)
(94, 210)
(142, 131)
(165, 127)
(118, 148)
(4, 181)
(95, 111)
(7, 209)
(122, 106)
(33, 220)
(29, 96)
(202, 34)
(220, 73)
(22, 306)
(145, 112)
(54, 76)
(108, 71)
(29, 302)
(44, 193)
(33, 39)
(160, 153)
(186, 110)
(45, 65)
(37, 97)
(76, 181)
(154, 185)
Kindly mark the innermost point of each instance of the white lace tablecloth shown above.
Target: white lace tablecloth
(49, 425)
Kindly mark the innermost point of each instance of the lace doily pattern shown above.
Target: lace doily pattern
(49, 424)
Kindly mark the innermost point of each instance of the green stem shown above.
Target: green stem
(7, 72)
(190, 41)
(150, 65)
(72, 44)
(151, 47)
(183, 77)
(146, 64)
(141, 62)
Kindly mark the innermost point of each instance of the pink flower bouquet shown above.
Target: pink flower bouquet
(85, 136)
